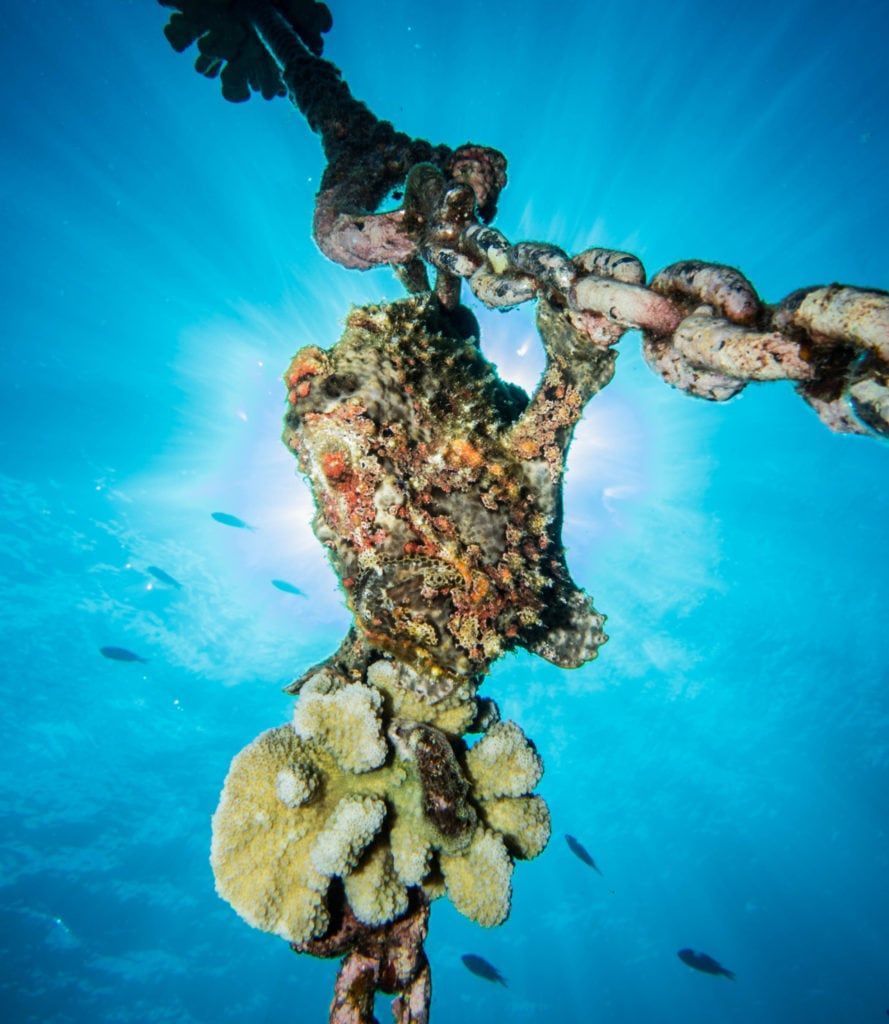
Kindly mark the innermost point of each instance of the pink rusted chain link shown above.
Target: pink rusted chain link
(705, 330)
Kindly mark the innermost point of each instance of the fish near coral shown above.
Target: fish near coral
(121, 654)
(445, 789)
(704, 963)
(227, 519)
(482, 968)
(287, 588)
(163, 577)
(438, 496)
(581, 852)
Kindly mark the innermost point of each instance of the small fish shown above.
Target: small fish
(581, 852)
(288, 588)
(164, 577)
(702, 962)
(478, 965)
(120, 654)
(229, 520)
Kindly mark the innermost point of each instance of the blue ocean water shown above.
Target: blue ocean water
(725, 759)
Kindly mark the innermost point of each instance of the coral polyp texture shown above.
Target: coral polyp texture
(384, 804)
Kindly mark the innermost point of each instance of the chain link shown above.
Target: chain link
(705, 329)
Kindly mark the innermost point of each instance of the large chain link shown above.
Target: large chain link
(705, 330)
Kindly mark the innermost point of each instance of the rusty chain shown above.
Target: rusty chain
(705, 330)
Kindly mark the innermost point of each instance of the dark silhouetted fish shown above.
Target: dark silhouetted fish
(702, 962)
(581, 852)
(164, 577)
(288, 588)
(478, 965)
(120, 654)
(229, 520)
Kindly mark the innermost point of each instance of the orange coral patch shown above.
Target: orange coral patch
(462, 453)
(527, 448)
(335, 465)
(480, 587)
(305, 364)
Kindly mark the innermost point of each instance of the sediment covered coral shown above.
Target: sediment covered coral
(503, 763)
(523, 822)
(302, 808)
(479, 880)
(345, 721)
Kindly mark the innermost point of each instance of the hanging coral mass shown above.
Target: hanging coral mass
(438, 496)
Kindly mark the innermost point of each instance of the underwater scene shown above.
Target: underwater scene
(445, 564)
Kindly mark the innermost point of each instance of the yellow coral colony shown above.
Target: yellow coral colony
(350, 790)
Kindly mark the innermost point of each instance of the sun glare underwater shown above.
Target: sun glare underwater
(725, 760)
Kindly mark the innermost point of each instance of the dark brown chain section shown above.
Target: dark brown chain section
(388, 958)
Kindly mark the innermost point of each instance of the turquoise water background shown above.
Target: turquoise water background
(725, 759)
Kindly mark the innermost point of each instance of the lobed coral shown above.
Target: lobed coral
(479, 880)
(345, 721)
(504, 763)
(314, 801)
